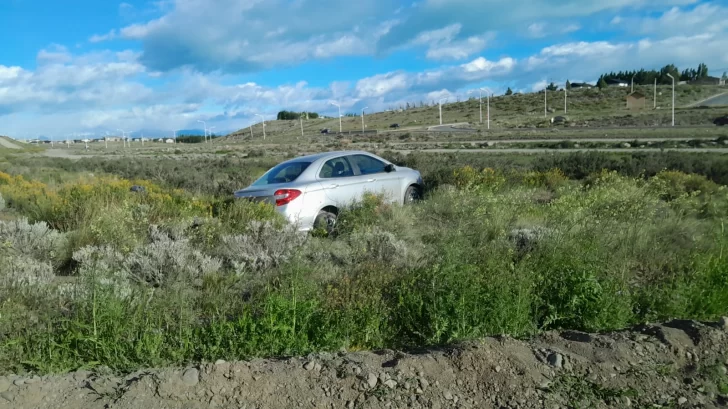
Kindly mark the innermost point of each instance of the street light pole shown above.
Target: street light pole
(673, 99)
(301, 119)
(123, 134)
(545, 102)
(362, 119)
(262, 119)
(632, 86)
(338, 106)
(440, 104)
(487, 95)
(654, 97)
(204, 125)
(564, 99)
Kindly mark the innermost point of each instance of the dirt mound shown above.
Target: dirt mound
(673, 365)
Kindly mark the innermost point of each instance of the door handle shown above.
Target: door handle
(371, 180)
(332, 186)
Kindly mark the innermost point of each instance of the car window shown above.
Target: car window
(368, 165)
(283, 173)
(336, 168)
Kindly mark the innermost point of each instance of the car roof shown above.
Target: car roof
(326, 155)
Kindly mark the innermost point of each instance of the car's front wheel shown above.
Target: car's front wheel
(325, 222)
(412, 195)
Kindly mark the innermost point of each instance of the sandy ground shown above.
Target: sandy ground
(680, 364)
(6, 143)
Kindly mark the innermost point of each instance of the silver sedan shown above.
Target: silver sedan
(311, 190)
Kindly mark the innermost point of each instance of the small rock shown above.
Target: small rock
(357, 370)
(372, 380)
(497, 368)
(350, 404)
(723, 370)
(556, 360)
(447, 395)
(682, 401)
(32, 380)
(191, 377)
(419, 391)
(317, 367)
(309, 365)
(627, 401)
(424, 384)
(219, 362)
(8, 396)
(701, 389)
(4, 384)
(19, 382)
(724, 323)
(391, 383)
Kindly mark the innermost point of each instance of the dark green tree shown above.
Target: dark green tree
(509, 91)
(552, 87)
(568, 85)
(602, 83)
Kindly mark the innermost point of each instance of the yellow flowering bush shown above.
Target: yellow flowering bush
(470, 178)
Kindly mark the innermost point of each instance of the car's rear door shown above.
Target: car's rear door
(378, 180)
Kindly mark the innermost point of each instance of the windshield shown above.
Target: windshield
(283, 173)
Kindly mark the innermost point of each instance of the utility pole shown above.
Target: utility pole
(338, 106)
(564, 99)
(545, 90)
(654, 97)
(362, 119)
(440, 105)
(263, 119)
(632, 88)
(204, 125)
(301, 118)
(673, 99)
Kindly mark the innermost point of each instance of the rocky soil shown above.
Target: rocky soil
(680, 364)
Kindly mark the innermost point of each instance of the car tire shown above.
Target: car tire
(412, 195)
(325, 221)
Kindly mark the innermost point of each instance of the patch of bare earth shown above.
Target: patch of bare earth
(680, 364)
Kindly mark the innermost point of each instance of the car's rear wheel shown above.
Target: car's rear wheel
(325, 222)
(412, 194)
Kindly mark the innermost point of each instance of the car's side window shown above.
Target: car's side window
(336, 168)
(368, 165)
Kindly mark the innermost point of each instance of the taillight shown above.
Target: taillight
(285, 196)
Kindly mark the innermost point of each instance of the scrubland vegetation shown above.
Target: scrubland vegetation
(93, 273)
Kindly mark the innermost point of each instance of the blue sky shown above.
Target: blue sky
(87, 67)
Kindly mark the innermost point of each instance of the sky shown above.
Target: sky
(89, 67)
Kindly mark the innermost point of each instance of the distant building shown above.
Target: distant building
(169, 141)
(636, 100)
(617, 83)
(581, 85)
(707, 81)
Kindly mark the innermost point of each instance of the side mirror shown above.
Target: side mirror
(389, 168)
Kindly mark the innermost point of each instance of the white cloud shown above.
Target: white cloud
(702, 18)
(542, 29)
(97, 38)
(537, 30)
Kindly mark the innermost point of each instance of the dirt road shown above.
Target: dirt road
(6, 143)
(680, 364)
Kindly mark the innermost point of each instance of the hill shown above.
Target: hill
(585, 107)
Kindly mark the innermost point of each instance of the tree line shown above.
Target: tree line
(648, 77)
(290, 115)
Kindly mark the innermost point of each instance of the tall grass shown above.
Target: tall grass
(499, 253)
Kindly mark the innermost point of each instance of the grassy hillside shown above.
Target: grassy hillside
(590, 107)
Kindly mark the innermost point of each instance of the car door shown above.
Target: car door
(378, 180)
(342, 186)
